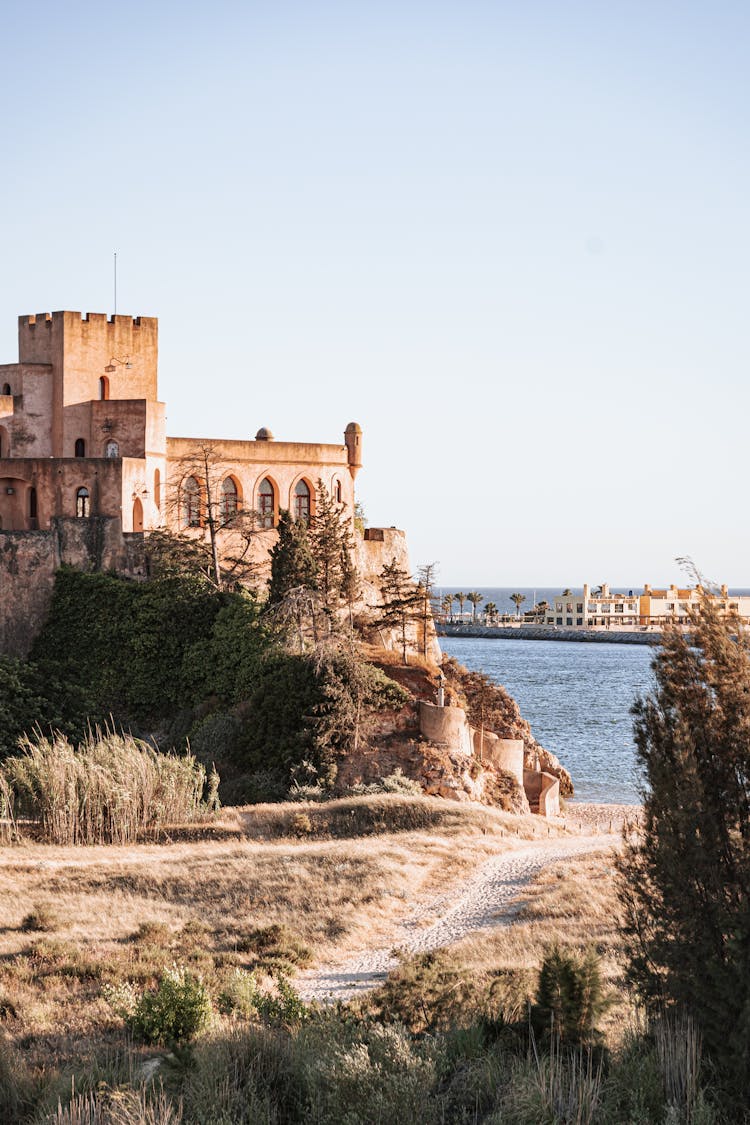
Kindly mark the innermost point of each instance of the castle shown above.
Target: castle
(86, 467)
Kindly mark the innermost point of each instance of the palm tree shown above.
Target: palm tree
(447, 605)
(475, 598)
(566, 593)
(518, 600)
(460, 598)
(489, 611)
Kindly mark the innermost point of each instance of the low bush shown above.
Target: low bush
(395, 782)
(41, 919)
(112, 789)
(275, 948)
(177, 1010)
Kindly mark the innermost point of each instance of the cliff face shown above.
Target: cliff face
(445, 751)
(489, 704)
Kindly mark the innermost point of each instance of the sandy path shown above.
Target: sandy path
(488, 898)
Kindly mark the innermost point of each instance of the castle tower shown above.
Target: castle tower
(85, 359)
(353, 441)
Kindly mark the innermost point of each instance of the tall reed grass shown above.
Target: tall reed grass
(112, 789)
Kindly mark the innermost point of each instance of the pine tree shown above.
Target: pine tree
(401, 602)
(685, 880)
(426, 590)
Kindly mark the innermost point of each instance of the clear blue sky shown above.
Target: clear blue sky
(510, 239)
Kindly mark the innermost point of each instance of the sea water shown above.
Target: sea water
(577, 698)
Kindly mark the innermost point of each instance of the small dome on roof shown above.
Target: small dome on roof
(264, 434)
(353, 428)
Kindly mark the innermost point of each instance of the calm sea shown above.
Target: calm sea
(577, 698)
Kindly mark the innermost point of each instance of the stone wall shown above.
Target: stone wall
(29, 560)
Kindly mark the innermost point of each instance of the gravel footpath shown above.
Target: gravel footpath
(490, 897)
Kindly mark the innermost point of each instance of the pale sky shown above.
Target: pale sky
(509, 239)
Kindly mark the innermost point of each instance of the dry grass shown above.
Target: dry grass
(113, 788)
(127, 912)
(571, 904)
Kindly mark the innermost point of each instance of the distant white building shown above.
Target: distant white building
(653, 608)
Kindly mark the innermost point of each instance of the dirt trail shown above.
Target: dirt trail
(489, 898)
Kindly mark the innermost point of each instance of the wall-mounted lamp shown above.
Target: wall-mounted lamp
(114, 363)
(10, 491)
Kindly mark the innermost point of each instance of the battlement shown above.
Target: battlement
(34, 320)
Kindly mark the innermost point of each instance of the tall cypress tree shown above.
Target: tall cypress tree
(331, 546)
(292, 562)
(685, 880)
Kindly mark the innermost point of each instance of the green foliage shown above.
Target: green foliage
(570, 997)
(331, 545)
(686, 877)
(276, 949)
(425, 993)
(129, 642)
(351, 693)
(30, 698)
(292, 562)
(402, 602)
(239, 994)
(177, 1010)
(304, 712)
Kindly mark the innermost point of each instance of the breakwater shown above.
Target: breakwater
(546, 633)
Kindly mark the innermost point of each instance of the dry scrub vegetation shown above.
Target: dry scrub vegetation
(571, 905)
(286, 880)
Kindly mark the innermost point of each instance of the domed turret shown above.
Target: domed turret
(353, 441)
(264, 434)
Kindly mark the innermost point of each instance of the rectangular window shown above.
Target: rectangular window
(579, 607)
(619, 607)
(579, 621)
(606, 608)
(568, 620)
(559, 621)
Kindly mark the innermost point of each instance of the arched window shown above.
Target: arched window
(266, 503)
(337, 492)
(82, 503)
(137, 515)
(191, 503)
(157, 488)
(228, 503)
(111, 449)
(103, 388)
(302, 501)
(6, 389)
(32, 503)
(80, 450)
(4, 443)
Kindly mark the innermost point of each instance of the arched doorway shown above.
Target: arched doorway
(137, 515)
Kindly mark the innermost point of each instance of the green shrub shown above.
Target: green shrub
(570, 997)
(177, 1010)
(239, 994)
(283, 1007)
(275, 947)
